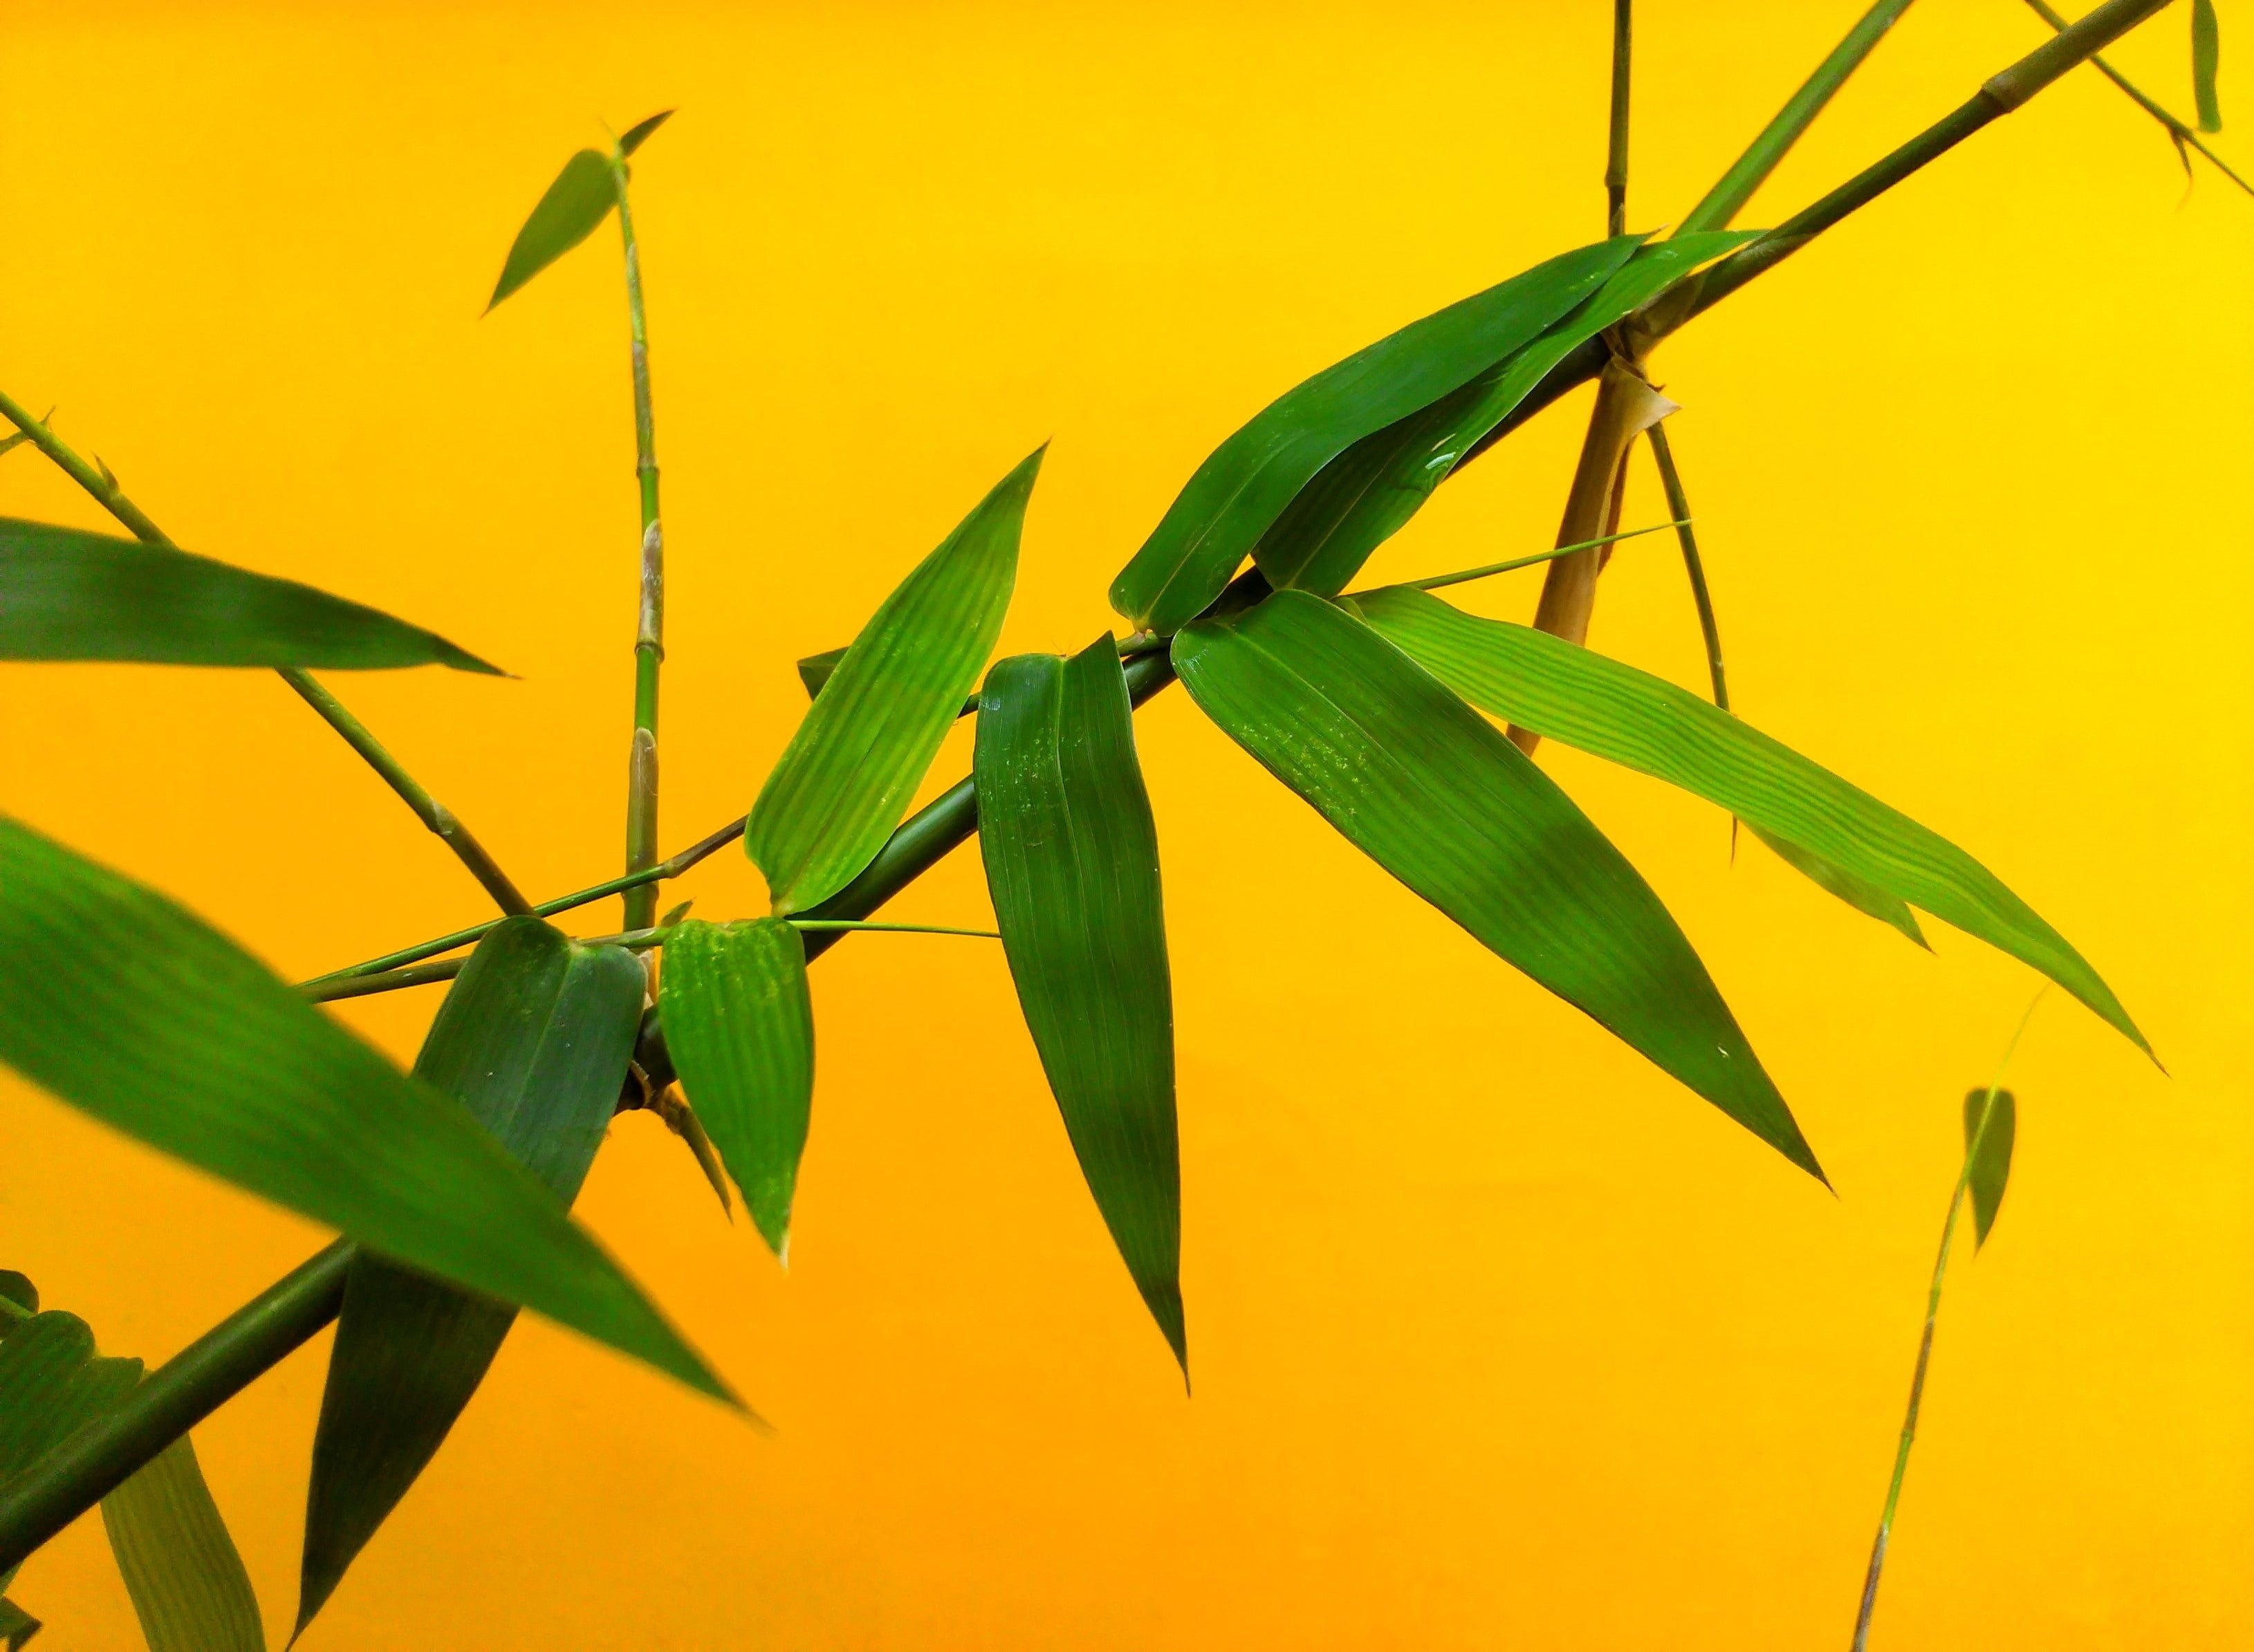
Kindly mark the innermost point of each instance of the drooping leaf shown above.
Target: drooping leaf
(1858, 893)
(186, 1579)
(740, 1027)
(573, 209)
(1237, 494)
(51, 1383)
(1072, 858)
(2206, 60)
(1366, 494)
(138, 1013)
(65, 594)
(638, 134)
(16, 1626)
(1433, 793)
(1989, 1154)
(848, 775)
(1624, 716)
(534, 1038)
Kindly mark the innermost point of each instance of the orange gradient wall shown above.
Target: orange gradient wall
(1498, 1338)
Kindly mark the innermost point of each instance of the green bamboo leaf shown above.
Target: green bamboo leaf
(18, 1290)
(740, 1029)
(638, 134)
(65, 594)
(815, 670)
(1990, 1155)
(1367, 492)
(1624, 716)
(181, 1568)
(1863, 895)
(2205, 59)
(1434, 793)
(16, 1626)
(138, 1013)
(51, 1383)
(1247, 481)
(1072, 858)
(573, 209)
(534, 1038)
(848, 775)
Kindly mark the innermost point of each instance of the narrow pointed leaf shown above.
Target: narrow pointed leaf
(1626, 716)
(181, 1568)
(815, 670)
(2206, 60)
(1366, 494)
(638, 134)
(849, 774)
(573, 209)
(1989, 1154)
(138, 1013)
(740, 1028)
(1245, 484)
(533, 1040)
(1433, 793)
(1863, 895)
(16, 1626)
(1072, 858)
(65, 594)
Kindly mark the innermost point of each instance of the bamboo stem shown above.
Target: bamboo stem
(96, 480)
(2183, 135)
(1678, 503)
(650, 630)
(1616, 145)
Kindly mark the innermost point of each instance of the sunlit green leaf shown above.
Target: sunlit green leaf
(1860, 893)
(65, 594)
(740, 1028)
(1436, 795)
(1364, 496)
(573, 209)
(135, 1011)
(2205, 59)
(1989, 1154)
(187, 1582)
(1072, 858)
(638, 134)
(534, 1038)
(1238, 493)
(1614, 711)
(849, 772)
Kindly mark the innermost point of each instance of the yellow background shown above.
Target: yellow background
(1500, 1339)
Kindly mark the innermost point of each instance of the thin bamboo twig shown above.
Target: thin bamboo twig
(1439, 582)
(649, 630)
(96, 480)
(1616, 145)
(1670, 481)
(1925, 1339)
(2181, 133)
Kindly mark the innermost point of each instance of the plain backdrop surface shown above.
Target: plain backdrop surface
(1498, 1338)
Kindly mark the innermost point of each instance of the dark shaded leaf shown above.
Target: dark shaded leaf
(849, 772)
(181, 1565)
(638, 134)
(70, 595)
(815, 670)
(740, 1027)
(1246, 482)
(1072, 858)
(1863, 895)
(573, 209)
(18, 1290)
(16, 1626)
(1366, 494)
(1626, 716)
(1433, 793)
(1988, 1154)
(533, 1039)
(2205, 59)
(51, 1383)
(138, 1013)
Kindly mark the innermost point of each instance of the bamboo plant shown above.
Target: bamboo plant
(1409, 724)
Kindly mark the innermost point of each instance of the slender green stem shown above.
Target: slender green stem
(96, 480)
(2184, 136)
(1678, 502)
(1616, 145)
(649, 630)
(1439, 581)
(1728, 197)
(1925, 1339)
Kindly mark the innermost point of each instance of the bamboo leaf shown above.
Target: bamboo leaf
(740, 1028)
(187, 1581)
(533, 1040)
(1626, 716)
(51, 1383)
(135, 1011)
(1072, 858)
(848, 775)
(1988, 1154)
(1367, 492)
(2205, 59)
(16, 1626)
(639, 133)
(16, 1288)
(815, 670)
(1860, 893)
(1435, 794)
(65, 594)
(573, 209)
(1244, 485)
